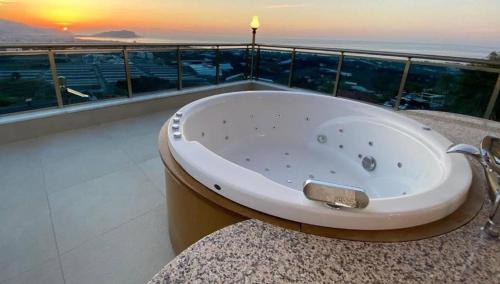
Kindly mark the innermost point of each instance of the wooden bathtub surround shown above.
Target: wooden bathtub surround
(195, 211)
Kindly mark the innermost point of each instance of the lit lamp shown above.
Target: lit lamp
(254, 24)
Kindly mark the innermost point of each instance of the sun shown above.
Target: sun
(65, 29)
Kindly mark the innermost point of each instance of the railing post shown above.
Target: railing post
(55, 79)
(402, 84)
(337, 76)
(493, 99)
(247, 63)
(252, 55)
(217, 65)
(292, 67)
(127, 71)
(257, 66)
(179, 69)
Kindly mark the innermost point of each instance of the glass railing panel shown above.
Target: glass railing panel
(233, 64)
(25, 83)
(315, 71)
(99, 75)
(448, 89)
(153, 71)
(495, 115)
(371, 80)
(198, 67)
(273, 66)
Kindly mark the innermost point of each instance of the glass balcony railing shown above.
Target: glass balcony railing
(43, 76)
(25, 83)
(448, 89)
(98, 76)
(315, 72)
(198, 67)
(371, 80)
(234, 64)
(273, 66)
(395, 80)
(153, 70)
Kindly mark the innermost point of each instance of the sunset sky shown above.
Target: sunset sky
(471, 21)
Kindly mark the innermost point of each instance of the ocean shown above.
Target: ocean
(461, 50)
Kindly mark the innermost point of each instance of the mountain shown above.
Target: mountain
(118, 34)
(16, 32)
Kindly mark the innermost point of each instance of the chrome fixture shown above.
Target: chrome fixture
(178, 114)
(175, 127)
(176, 120)
(335, 195)
(65, 90)
(322, 139)
(488, 155)
(369, 163)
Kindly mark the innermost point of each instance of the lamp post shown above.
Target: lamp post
(254, 24)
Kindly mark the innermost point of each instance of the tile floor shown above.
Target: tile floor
(84, 206)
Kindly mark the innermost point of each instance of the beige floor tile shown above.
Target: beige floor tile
(73, 169)
(46, 273)
(26, 238)
(140, 148)
(89, 209)
(131, 253)
(73, 141)
(154, 170)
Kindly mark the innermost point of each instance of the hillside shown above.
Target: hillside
(117, 34)
(17, 32)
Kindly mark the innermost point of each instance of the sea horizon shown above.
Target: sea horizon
(444, 49)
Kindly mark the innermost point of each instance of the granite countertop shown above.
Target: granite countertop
(256, 252)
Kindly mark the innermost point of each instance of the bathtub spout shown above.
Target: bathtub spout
(465, 149)
(335, 195)
(488, 155)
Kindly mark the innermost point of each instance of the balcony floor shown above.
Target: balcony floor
(84, 206)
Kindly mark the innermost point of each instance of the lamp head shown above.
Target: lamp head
(254, 24)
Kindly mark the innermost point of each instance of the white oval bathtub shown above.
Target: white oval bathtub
(258, 148)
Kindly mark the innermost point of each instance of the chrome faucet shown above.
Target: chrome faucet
(488, 155)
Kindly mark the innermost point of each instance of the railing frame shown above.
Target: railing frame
(254, 72)
(217, 65)
(179, 68)
(55, 78)
(128, 76)
(338, 74)
(292, 68)
(493, 99)
(402, 84)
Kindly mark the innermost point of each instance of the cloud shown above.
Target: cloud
(286, 6)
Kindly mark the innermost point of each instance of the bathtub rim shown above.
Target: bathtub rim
(406, 214)
(176, 174)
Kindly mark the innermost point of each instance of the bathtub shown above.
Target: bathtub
(257, 149)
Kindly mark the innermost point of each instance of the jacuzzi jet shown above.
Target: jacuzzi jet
(322, 138)
(369, 163)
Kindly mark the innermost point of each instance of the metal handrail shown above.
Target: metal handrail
(387, 53)
(108, 45)
(50, 49)
(130, 46)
